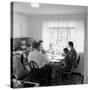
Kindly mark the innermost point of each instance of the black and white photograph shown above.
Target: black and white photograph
(49, 44)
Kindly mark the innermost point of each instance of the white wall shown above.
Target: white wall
(86, 52)
(37, 20)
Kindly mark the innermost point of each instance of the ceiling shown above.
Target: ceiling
(45, 9)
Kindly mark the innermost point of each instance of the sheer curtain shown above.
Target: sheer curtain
(60, 32)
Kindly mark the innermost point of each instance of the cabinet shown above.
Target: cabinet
(20, 25)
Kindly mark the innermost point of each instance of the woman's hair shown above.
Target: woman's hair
(40, 41)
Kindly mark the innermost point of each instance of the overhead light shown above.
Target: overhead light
(35, 5)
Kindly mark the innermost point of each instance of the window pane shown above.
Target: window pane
(59, 33)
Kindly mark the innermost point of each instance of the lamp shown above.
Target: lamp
(35, 5)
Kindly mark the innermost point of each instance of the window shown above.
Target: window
(60, 32)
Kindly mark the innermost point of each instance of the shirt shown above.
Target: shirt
(73, 56)
(38, 57)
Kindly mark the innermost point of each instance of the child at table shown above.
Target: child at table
(67, 62)
(66, 52)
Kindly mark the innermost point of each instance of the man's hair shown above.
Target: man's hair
(70, 43)
(36, 45)
(65, 50)
(40, 41)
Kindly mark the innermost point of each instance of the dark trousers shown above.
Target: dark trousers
(42, 76)
(45, 74)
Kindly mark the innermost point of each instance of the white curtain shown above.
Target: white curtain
(60, 32)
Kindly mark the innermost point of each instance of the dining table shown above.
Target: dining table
(57, 63)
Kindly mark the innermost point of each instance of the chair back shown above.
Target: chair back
(33, 65)
(34, 71)
(78, 60)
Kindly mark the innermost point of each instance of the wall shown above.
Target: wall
(37, 20)
(86, 52)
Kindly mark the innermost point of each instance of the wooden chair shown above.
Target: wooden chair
(33, 82)
(33, 65)
(34, 71)
(39, 75)
(72, 73)
(68, 73)
(26, 84)
(81, 77)
(78, 61)
(23, 84)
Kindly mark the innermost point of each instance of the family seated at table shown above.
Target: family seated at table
(38, 55)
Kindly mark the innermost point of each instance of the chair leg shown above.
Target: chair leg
(60, 79)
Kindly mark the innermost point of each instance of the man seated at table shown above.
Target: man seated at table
(72, 53)
(36, 56)
(41, 46)
(40, 59)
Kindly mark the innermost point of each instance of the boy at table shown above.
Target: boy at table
(67, 61)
